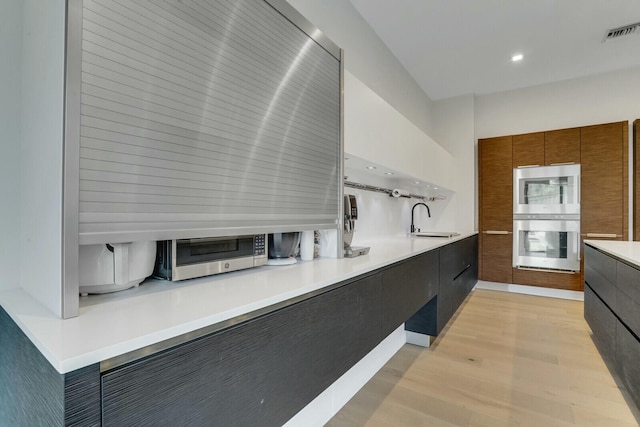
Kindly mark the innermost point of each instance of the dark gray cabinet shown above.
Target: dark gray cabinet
(261, 372)
(612, 310)
(33, 393)
(458, 273)
(406, 287)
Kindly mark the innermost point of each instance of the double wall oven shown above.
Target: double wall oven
(546, 218)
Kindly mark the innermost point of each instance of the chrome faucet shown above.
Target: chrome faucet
(413, 228)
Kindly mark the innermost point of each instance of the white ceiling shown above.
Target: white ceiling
(457, 47)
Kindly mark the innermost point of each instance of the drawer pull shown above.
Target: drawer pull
(496, 232)
(528, 166)
(562, 164)
(601, 235)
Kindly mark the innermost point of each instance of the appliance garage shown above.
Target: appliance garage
(179, 130)
(546, 218)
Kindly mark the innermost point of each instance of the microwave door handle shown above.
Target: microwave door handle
(578, 184)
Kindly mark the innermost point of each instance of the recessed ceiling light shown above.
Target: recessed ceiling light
(388, 173)
(517, 58)
(435, 188)
(417, 182)
(371, 167)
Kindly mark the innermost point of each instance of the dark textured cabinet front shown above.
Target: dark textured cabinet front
(601, 321)
(258, 373)
(406, 287)
(612, 310)
(627, 356)
(458, 273)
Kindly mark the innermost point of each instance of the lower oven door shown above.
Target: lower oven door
(547, 244)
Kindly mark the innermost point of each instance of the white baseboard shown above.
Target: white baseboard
(419, 339)
(330, 401)
(531, 290)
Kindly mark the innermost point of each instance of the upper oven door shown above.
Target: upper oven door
(547, 244)
(546, 190)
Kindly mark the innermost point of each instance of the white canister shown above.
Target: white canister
(306, 245)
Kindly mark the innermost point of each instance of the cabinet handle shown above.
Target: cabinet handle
(561, 164)
(547, 270)
(528, 166)
(497, 232)
(602, 235)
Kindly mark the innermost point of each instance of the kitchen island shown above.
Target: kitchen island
(141, 330)
(612, 306)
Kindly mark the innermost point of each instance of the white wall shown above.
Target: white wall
(10, 130)
(598, 99)
(42, 145)
(368, 58)
(454, 129)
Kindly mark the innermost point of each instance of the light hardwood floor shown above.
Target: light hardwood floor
(504, 360)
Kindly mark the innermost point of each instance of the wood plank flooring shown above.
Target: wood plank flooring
(504, 360)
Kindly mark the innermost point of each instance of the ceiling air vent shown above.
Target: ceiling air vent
(621, 32)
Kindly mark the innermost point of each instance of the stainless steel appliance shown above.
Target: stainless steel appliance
(546, 190)
(188, 258)
(551, 244)
(350, 217)
(282, 248)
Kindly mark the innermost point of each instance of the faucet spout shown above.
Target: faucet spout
(413, 228)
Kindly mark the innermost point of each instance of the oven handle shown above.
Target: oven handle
(546, 270)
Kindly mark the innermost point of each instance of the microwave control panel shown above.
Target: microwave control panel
(259, 242)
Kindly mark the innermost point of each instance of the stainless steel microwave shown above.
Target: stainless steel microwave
(188, 258)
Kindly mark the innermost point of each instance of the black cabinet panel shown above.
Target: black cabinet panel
(628, 296)
(605, 289)
(457, 276)
(601, 321)
(258, 373)
(629, 312)
(627, 356)
(628, 281)
(33, 393)
(602, 263)
(406, 287)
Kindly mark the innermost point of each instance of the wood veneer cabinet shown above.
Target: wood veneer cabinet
(604, 202)
(562, 146)
(602, 150)
(496, 208)
(529, 149)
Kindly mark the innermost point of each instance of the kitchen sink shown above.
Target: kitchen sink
(446, 234)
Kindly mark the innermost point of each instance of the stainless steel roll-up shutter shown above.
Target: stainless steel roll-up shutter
(201, 118)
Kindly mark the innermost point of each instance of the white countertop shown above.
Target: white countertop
(627, 251)
(113, 324)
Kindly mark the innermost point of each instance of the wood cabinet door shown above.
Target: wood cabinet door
(562, 146)
(603, 156)
(496, 207)
(496, 183)
(496, 257)
(528, 149)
